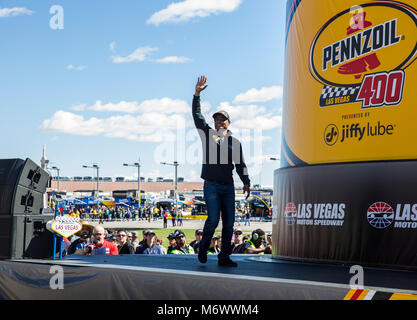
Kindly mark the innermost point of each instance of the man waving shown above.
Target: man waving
(221, 154)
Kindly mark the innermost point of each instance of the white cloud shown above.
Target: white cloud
(189, 9)
(173, 59)
(13, 12)
(140, 54)
(241, 112)
(148, 127)
(205, 106)
(78, 68)
(163, 105)
(79, 107)
(264, 122)
(261, 95)
(143, 54)
(158, 120)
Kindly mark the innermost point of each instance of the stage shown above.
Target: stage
(179, 277)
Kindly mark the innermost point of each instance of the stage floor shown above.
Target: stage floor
(183, 277)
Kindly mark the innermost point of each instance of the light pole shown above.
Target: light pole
(175, 164)
(136, 164)
(57, 170)
(95, 166)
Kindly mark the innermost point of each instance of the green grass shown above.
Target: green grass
(189, 234)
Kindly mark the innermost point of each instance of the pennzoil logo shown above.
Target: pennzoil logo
(362, 53)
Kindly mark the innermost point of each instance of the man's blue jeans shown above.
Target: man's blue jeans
(220, 200)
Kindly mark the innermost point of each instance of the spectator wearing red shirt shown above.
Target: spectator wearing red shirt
(100, 246)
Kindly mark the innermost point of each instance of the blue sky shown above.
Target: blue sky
(116, 82)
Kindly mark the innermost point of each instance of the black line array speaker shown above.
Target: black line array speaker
(22, 187)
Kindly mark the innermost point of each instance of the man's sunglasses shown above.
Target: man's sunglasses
(220, 119)
(121, 235)
(97, 234)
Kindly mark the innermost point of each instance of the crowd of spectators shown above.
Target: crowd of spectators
(103, 213)
(124, 213)
(99, 241)
(148, 212)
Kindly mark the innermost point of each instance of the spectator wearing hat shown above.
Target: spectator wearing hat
(196, 243)
(135, 241)
(238, 240)
(143, 241)
(172, 243)
(99, 245)
(79, 245)
(221, 154)
(255, 245)
(150, 246)
(214, 246)
(112, 239)
(181, 247)
(125, 246)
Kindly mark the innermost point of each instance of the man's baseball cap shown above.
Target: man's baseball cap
(179, 233)
(171, 236)
(223, 113)
(237, 230)
(199, 231)
(149, 232)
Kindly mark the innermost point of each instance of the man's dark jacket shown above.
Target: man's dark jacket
(127, 248)
(220, 153)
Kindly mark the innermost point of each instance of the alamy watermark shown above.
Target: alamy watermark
(57, 280)
(56, 22)
(357, 280)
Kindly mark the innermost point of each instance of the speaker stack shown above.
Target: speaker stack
(22, 222)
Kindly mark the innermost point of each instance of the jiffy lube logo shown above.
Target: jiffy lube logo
(362, 54)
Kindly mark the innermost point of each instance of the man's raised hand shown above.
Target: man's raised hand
(201, 85)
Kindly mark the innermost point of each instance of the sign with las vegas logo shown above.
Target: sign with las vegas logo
(66, 225)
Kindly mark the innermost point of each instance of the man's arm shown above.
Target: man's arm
(198, 117)
(256, 250)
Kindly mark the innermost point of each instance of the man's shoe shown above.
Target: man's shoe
(227, 263)
(202, 256)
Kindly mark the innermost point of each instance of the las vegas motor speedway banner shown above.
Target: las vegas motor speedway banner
(349, 109)
(359, 213)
